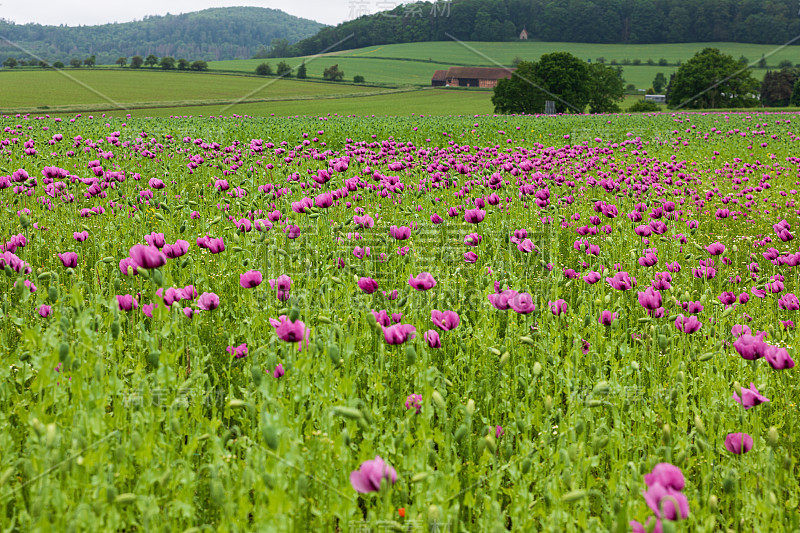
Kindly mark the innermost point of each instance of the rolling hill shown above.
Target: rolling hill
(210, 34)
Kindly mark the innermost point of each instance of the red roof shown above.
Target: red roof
(439, 75)
(481, 73)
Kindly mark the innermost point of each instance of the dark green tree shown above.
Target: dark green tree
(137, 62)
(643, 106)
(151, 60)
(712, 79)
(122, 61)
(659, 82)
(301, 71)
(279, 48)
(10, 62)
(284, 70)
(333, 73)
(607, 89)
(795, 100)
(199, 65)
(777, 87)
(183, 64)
(264, 69)
(58, 64)
(167, 63)
(90, 61)
(75, 62)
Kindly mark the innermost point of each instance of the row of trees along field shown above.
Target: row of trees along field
(166, 63)
(332, 73)
(708, 80)
(593, 21)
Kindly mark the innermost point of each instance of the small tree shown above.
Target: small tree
(785, 64)
(151, 60)
(643, 106)
(89, 61)
(333, 73)
(601, 60)
(122, 61)
(167, 63)
(284, 70)
(183, 64)
(662, 62)
(137, 62)
(58, 64)
(10, 62)
(659, 83)
(358, 79)
(199, 65)
(795, 100)
(301, 71)
(762, 63)
(75, 62)
(43, 64)
(264, 69)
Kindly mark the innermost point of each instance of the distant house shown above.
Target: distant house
(485, 77)
(657, 98)
(523, 34)
(439, 78)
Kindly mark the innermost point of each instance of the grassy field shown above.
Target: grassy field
(414, 63)
(44, 89)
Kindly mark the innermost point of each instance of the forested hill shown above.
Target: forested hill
(593, 21)
(211, 34)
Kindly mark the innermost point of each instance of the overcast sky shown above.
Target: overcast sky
(90, 12)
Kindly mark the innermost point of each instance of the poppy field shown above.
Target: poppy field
(346, 324)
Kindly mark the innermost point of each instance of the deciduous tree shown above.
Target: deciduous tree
(712, 79)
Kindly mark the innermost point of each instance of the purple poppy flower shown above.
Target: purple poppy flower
(279, 372)
(147, 309)
(45, 311)
(558, 307)
(432, 338)
(189, 312)
(750, 397)
(591, 277)
(474, 216)
(382, 317)
(155, 239)
(716, 248)
(727, 298)
(147, 256)
(399, 333)
(291, 331)
(292, 231)
(470, 257)
(250, 279)
(473, 239)
(789, 302)
(239, 351)
(370, 475)
(738, 330)
(179, 249)
(662, 501)
(80, 236)
(666, 474)
(526, 246)
(501, 301)
(215, 246)
(126, 302)
(750, 347)
(436, 219)
(422, 282)
(778, 358)
(283, 285)
(688, 324)
(208, 301)
(400, 233)
(69, 259)
(128, 263)
(650, 299)
(638, 527)
(606, 318)
(522, 303)
(445, 320)
(368, 285)
(621, 281)
(738, 443)
(414, 401)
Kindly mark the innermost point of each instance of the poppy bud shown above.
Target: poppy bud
(548, 404)
(52, 293)
(158, 279)
(698, 424)
(460, 433)
(294, 314)
(713, 503)
(470, 407)
(772, 436)
(666, 434)
(411, 355)
(24, 221)
(663, 342)
(115, 329)
(152, 359)
(257, 374)
(607, 299)
(537, 368)
(63, 352)
(504, 359)
(490, 443)
(438, 400)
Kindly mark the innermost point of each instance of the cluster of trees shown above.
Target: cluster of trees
(594, 21)
(211, 34)
(283, 70)
(708, 80)
(166, 63)
(564, 79)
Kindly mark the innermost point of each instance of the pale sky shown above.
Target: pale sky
(91, 12)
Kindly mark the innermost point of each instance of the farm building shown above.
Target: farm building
(523, 34)
(485, 77)
(439, 78)
(657, 98)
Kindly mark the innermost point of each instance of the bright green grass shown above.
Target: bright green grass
(37, 89)
(425, 102)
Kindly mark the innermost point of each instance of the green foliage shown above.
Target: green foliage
(75, 62)
(301, 71)
(563, 78)
(333, 73)
(643, 106)
(199, 65)
(167, 63)
(58, 64)
(777, 87)
(264, 69)
(712, 79)
(217, 33)
(183, 64)
(90, 61)
(795, 100)
(137, 62)
(659, 83)
(284, 70)
(121, 61)
(10, 62)
(151, 60)
(358, 79)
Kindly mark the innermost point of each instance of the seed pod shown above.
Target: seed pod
(460, 433)
(63, 352)
(438, 400)
(294, 314)
(183, 227)
(421, 476)
(772, 436)
(663, 342)
(537, 368)
(526, 340)
(152, 359)
(713, 503)
(411, 355)
(574, 496)
(270, 436)
(698, 424)
(548, 403)
(495, 351)
(490, 443)
(504, 359)
(470, 407)
(325, 320)
(115, 329)
(256, 373)
(666, 434)
(347, 412)
(526, 466)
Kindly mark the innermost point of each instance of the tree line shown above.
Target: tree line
(591, 21)
(211, 34)
(166, 63)
(709, 80)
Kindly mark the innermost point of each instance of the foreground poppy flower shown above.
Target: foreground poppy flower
(558, 307)
(69, 259)
(147, 256)
(250, 279)
(370, 475)
(750, 397)
(688, 324)
(208, 301)
(279, 372)
(45, 311)
(502, 301)
(422, 282)
(432, 338)
(668, 475)
(738, 443)
(126, 302)
(368, 285)
(522, 303)
(399, 333)
(414, 401)
(445, 320)
(291, 331)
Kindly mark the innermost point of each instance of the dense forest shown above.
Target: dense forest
(211, 34)
(593, 21)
